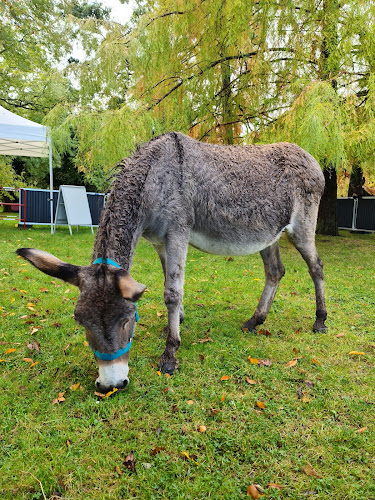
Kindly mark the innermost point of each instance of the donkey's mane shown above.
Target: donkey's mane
(120, 217)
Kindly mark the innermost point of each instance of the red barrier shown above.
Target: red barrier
(18, 205)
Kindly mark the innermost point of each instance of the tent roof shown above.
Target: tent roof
(21, 137)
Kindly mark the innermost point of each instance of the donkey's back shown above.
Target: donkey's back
(232, 200)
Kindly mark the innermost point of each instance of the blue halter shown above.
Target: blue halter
(102, 355)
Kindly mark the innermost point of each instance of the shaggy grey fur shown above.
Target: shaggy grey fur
(221, 199)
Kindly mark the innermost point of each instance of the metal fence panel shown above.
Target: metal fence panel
(366, 214)
(38, 209)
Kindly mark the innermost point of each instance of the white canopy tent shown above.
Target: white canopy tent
(22, 137)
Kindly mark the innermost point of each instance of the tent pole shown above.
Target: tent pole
(50, 178)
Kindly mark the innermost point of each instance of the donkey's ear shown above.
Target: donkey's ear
(51, 265)
(129, 288)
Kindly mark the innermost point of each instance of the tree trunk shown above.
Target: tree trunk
(226, 96)
(327, 218)
(356, 182)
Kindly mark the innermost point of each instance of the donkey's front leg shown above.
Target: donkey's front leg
(176, 250)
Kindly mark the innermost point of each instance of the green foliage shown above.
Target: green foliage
(314, 122)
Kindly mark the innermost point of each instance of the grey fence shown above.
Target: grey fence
(35, 206)
(356, 214)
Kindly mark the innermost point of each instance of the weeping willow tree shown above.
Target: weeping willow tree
(231, 72)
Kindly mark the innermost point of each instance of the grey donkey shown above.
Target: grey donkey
(174, 190)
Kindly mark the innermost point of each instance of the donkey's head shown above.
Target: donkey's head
(105, 308)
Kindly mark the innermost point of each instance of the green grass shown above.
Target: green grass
(312, 410)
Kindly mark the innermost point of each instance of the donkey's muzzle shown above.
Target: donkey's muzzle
(103, 389)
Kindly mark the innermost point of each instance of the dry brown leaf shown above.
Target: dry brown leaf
(264, 332)
(203, 428)
(207, 339)
(253, 361)
(295, 350)
(339, 335)
(129, 462)
(362, 429)
(307, 469)
(189, 402)
(252, 491)
(316, 362)
(359, 353)
(33, 345)
(44, 290)
(265, 362)
(292, 362)
(305, 399)
(250, 381)
(60, 398)
(275, 485)
(261, 405)
(74, 387)
(156, 450)
(118, 470)
(225, 377)
(28, 360)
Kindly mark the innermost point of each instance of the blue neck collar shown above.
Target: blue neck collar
(120, 352)
(111, 262)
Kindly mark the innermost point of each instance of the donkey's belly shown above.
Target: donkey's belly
(230, 245)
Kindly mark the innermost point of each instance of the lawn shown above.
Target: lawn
(299, 420)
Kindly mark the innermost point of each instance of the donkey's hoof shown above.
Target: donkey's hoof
(169, 368)
(248, 327)
(320, 329)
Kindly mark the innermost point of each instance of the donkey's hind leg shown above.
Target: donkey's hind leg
(274, 271)
(304, 240)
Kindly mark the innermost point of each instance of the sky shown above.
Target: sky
(120, 12)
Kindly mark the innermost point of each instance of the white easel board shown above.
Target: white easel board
(72, 208)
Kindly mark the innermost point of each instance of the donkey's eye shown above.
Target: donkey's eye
(124, 323)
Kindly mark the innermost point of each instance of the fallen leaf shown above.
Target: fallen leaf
(159, 315)
(44, 290)
(362, 429)
(201, 357)
(250, 381)
(203, 428)
(275, 485)
(28, 360)
(66, 347)
(129, 462)
(265, 362)
(207, 339)
(118, 470)
(60, 398)
(85, 343)
(159, 373)
(190, 402)
(31, 308)
(225, 377)
(34, 330)
(339, 335)
(30, 304)
(261, 405)
(33, 346)
(264, 332)
(305, 399)
(357, 353)
(252, 491)
(167, 375)
(214, 411)
(295, 350)
(185, 454)
(74, 387)
(253, 361)
(292, 362)
(223, 397)
(67, 290)
(316, 362)
(307, 469)
(156, 450)
(8, 351)
(2, 361)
